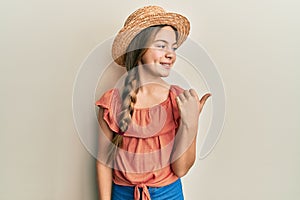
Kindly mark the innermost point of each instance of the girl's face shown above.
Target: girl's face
(160, 56)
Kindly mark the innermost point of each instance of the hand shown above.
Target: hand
(190, 107)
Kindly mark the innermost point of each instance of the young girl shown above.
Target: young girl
(150, 126)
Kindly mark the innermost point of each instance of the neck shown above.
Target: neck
(147, 81)
(149, 85)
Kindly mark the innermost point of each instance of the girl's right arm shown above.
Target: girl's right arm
(104, 172)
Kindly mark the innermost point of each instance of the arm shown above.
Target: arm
(104, 172)
(184, 151)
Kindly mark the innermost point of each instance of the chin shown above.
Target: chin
(165, 74)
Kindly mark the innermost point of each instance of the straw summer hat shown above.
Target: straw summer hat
(143, 18)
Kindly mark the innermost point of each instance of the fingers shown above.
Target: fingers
(187, 94)
(183, 97)
(180, 98)
(188, 101)
(194, 93)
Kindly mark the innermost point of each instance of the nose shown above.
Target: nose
(170, 54)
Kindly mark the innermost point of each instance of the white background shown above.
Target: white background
(255, 45)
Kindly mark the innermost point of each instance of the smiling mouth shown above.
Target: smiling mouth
(166, 65)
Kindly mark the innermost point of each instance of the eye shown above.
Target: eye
(174, 47)
(160, 46)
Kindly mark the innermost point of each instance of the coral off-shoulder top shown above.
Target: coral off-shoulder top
(145, 156)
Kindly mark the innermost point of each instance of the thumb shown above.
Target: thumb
(203, 100)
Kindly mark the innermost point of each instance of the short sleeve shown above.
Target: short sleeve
(110, 102)
(174, 92)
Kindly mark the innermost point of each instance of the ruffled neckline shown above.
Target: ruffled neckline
(157, 105)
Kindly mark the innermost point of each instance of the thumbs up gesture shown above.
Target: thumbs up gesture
(190, 106)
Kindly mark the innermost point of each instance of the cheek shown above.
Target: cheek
(152, 57)
(158, 54)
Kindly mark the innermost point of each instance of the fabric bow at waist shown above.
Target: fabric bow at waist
(145, 192)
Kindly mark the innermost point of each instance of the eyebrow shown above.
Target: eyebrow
(175, 43)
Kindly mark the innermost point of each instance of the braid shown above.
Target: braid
(128, 100)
